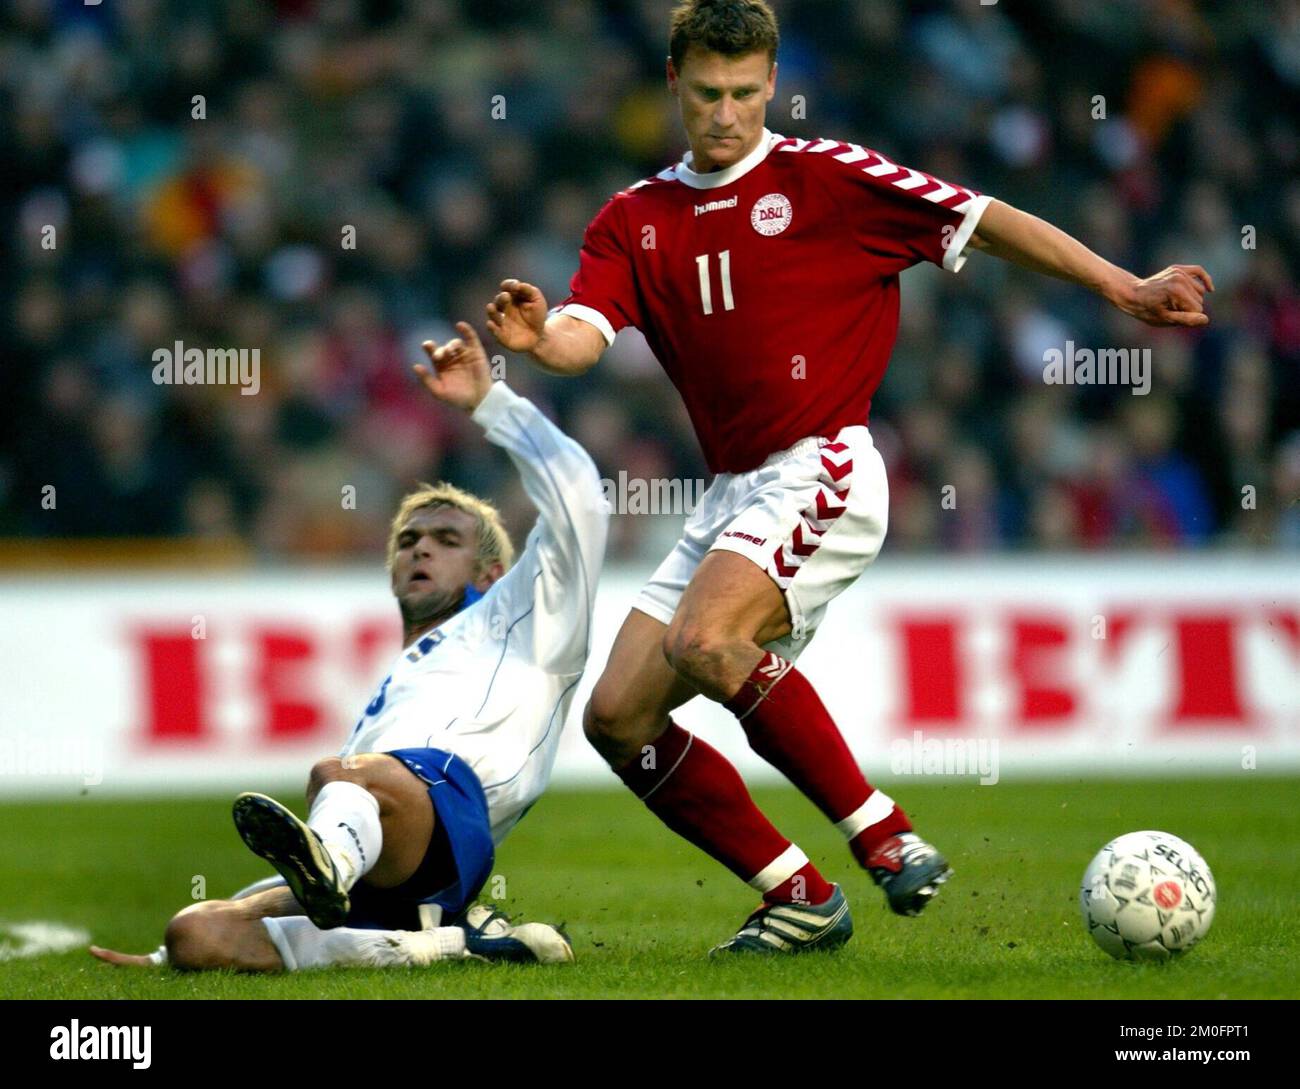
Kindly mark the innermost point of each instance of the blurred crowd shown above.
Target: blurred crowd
(331, 182)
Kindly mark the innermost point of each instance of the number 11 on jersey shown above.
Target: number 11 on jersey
(706, 287)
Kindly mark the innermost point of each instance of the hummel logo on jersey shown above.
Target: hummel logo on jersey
(745, 537)
(716, 205)
(773, 667)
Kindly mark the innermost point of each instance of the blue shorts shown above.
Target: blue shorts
(460, 855)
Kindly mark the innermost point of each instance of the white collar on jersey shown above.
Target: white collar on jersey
(715, 178)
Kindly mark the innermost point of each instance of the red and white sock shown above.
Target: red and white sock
(788, 726)
(693, 789)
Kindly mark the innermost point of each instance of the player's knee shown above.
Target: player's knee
(364, 770)
(695, 653)
(600, 718)
(381, 774)
(194, 939)
(611, 726)
(390, 781)
(324, 771)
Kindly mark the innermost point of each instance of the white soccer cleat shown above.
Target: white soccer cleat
(489, 935)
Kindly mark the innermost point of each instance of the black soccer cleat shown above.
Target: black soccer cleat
(793, 928)
(909, 870)
(274, 833)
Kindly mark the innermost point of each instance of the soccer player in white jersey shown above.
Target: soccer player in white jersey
(459, 739)
(764, 273)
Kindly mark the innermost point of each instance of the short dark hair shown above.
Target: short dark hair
(730, 27)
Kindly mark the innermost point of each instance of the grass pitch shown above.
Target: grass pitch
(643, 907)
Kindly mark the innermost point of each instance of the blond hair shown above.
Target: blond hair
(493, 541)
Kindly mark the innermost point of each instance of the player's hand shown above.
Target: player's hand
(460, 375)
(1175, 296)
(122, 960)
(517, 316)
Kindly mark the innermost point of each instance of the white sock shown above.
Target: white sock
(346, 817)
(301, 944)
(875, 809)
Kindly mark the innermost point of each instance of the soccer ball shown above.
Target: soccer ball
(1147, 896)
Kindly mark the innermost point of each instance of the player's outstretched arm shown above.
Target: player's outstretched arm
(568, 544)
(1175, 296)
(558, 344)
(156, 959)
(561, 563)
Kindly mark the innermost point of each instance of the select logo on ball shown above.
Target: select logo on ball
(1135, 907)
(1167, 894)
(771, 214)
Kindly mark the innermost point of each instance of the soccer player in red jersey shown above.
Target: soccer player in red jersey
(763, 272)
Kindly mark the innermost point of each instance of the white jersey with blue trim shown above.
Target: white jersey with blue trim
(493, 684)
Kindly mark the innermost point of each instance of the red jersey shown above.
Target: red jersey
(769, 290)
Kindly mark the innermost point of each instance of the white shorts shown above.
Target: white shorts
(812, 517)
